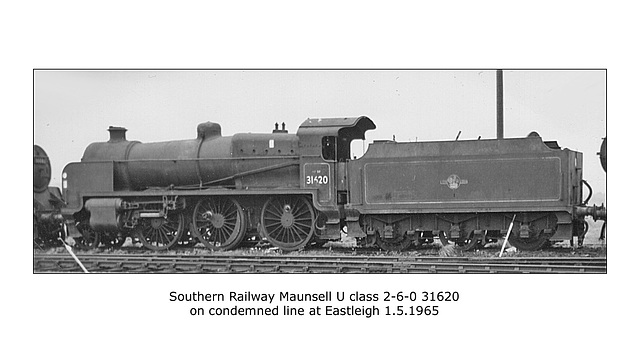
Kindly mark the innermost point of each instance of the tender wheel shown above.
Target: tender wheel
(90, 238)
(399, 243)
(160, 233)
(219, 223)
(288, 222)
(537, 237)
(531, 243)
(465, 244)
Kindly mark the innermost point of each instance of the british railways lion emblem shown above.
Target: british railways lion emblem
(454, 181)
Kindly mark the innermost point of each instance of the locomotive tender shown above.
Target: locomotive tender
(294, 189)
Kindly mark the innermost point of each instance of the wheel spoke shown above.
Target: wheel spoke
(303, 224)
(274, 230)
(286, 222)
(278, 232)
(295, 207)
(276, 216)
(295, 230)
(301, 211)
(161, 233)
(219, 223)
(226, 231)
(290, 237)
(165, 231)
(228, 209)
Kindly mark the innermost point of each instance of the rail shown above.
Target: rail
(146, 263)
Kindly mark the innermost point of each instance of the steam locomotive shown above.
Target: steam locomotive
(296, 189)
(47, 202)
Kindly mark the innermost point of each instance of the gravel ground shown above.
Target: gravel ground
(592, 247)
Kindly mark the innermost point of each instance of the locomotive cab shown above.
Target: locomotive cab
(334, 135)
(325, 148)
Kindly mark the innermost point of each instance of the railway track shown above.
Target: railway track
(146, 263)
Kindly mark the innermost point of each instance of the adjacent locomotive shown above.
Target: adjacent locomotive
(294, 189)
(47, 202)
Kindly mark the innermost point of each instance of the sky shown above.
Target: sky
(73, 108)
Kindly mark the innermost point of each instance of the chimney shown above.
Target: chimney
(117, 134)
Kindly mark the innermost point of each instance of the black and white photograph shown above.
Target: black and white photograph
(335, 171)
(280, 171)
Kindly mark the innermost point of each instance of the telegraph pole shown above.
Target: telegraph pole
(499, 105)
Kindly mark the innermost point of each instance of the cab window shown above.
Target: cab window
(329, 148)
(336, 148)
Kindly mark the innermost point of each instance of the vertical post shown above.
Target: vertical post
(504, 244)
(73, 255)
(499, 105)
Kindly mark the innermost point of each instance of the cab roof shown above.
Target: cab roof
(352, 128)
